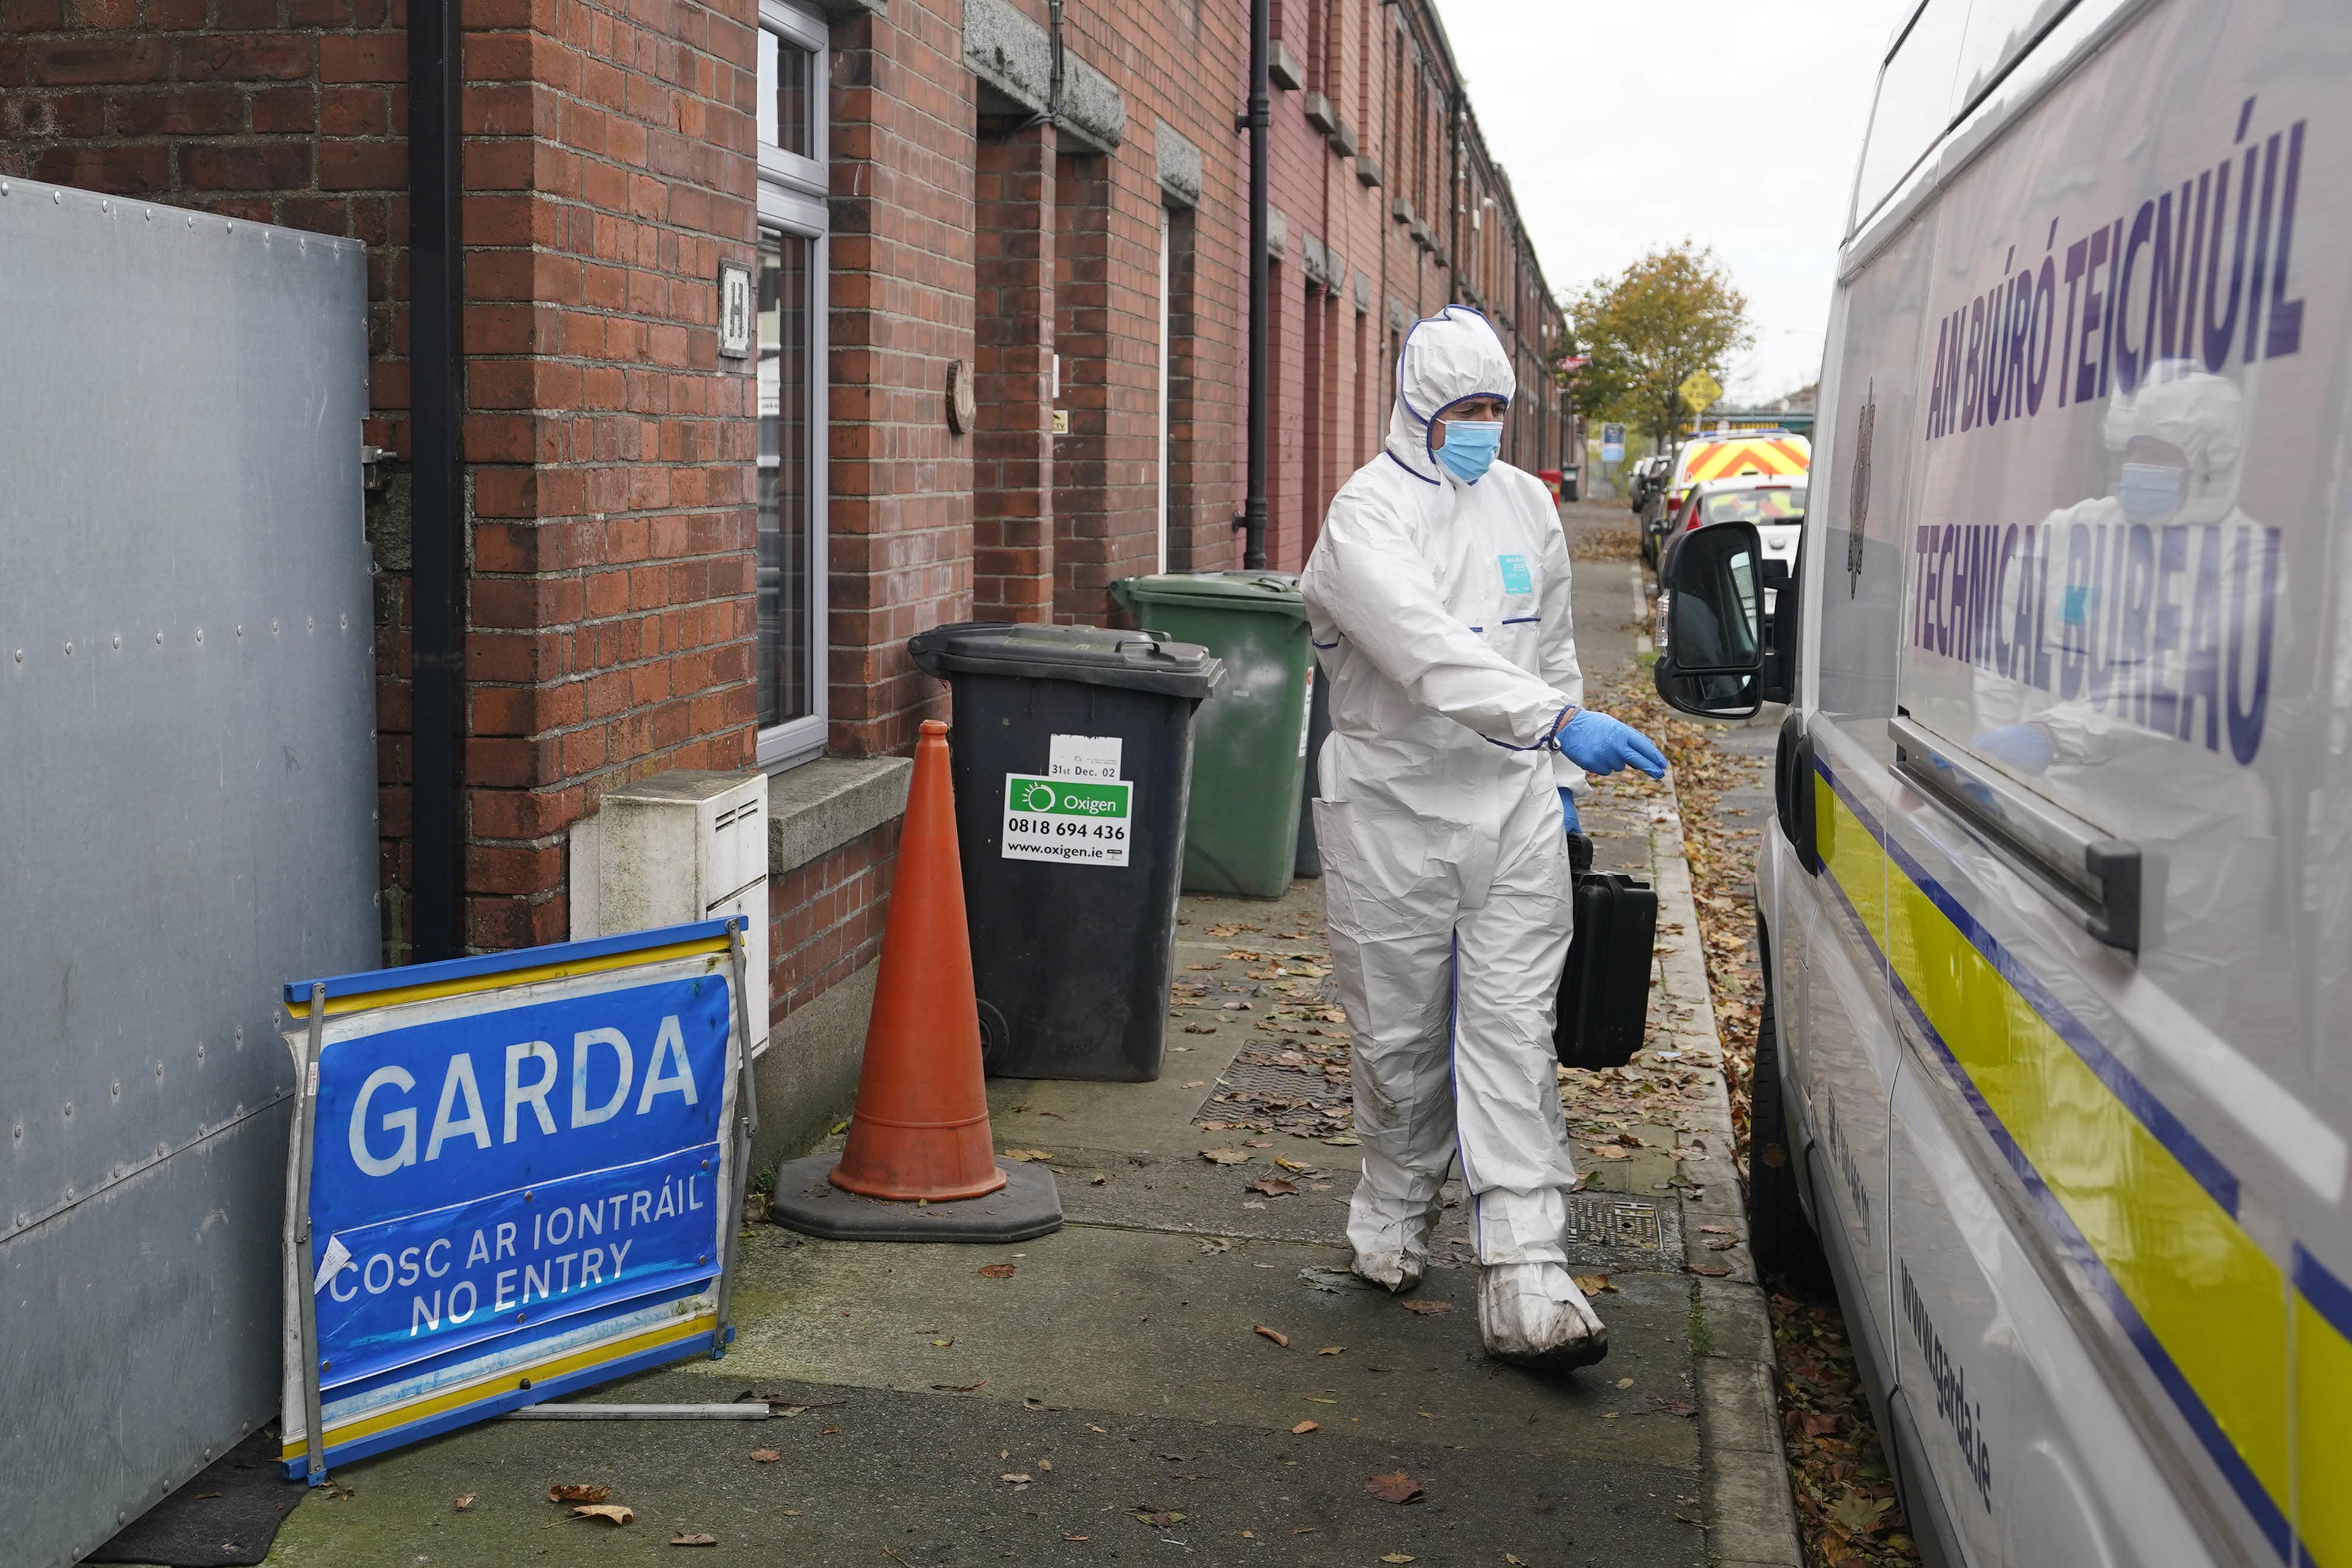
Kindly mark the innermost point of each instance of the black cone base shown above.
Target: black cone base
(1028, 1204)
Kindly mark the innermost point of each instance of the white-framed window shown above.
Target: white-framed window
(790, 652)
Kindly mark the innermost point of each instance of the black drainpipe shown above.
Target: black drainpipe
(1252, 521)
(1453, 101)
(437, 537)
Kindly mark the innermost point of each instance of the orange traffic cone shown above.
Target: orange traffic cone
(920, 1129)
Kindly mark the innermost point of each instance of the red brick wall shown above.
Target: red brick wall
(826, 918)
(902, 277)
(1013, 446)
(609, 169)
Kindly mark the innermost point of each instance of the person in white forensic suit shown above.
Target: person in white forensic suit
(1437, 597)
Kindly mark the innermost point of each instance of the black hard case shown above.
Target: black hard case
(1605, 988)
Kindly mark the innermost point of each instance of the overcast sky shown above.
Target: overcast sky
(1627, 126)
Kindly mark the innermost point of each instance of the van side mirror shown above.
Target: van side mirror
(1715, 654)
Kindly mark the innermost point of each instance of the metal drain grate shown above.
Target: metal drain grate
(1279, 1080)
(1597, 1219)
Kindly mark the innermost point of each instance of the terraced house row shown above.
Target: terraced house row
(718, 346)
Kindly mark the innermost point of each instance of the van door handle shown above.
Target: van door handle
(2101, 880)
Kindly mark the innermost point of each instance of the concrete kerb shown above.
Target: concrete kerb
(1754, 1517)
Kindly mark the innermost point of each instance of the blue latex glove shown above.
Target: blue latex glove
(1599, 744)
(2025, 747)
(1568, 811)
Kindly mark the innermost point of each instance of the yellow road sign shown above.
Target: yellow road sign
(1700, 390)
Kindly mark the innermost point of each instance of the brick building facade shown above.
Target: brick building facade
(677, 559)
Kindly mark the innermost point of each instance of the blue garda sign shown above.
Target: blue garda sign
(512, 1176)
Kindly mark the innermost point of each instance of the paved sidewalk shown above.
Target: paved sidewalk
(1115, 1400)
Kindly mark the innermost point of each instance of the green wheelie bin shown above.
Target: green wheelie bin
(1241, 833)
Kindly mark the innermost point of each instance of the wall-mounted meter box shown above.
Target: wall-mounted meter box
(687, 844)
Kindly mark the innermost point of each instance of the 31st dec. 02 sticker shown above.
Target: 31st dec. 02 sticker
(1073, 821)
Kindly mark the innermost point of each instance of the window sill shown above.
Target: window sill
(827, 802)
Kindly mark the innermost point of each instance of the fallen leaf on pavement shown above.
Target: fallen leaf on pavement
(1345, 1141)
(1200, 1028)
(1160, 1517)
(1215, 1243)
(1306, 1427)
(1024, 1156)
(1819, 1425)
(1276, 1335)
(694, 1541)
(1625, 1383)
(1427, 1308)
(1331, 1350)
(1017, 1478)
(1674, 1406)
(606, 1513)
(1610, 1152)
(1859, 1515)
(1099, 1181)
(1720, 1244)
(1288, 1164)
(1593, 1284)
(1275, 1186)
(955, 1388)
(1719, 1230)
(1066, 1534)
(1225, 1156)
(1045, 1464)
(1398, 1557)
(1394, 1486)
(577, 1491)
(1712, 1271)
(997, 1270)
(1197, 1083)
(467, 1501)
(765, 1455)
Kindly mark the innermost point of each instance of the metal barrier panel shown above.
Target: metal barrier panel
(187, 792)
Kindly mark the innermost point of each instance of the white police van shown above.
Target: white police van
(2057, 908)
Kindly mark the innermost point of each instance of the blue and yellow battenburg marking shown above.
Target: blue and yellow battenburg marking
(2257, 1357)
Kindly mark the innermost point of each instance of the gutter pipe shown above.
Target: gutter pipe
(1258, 120)
(437, 499)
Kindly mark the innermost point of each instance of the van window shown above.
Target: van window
(1999, 33)
(1914, 101)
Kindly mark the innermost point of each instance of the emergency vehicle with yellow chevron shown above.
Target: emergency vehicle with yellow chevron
(1721, 453)
(2054, 1080)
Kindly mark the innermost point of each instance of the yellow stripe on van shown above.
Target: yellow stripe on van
(2216, 1305)
(389, 1416)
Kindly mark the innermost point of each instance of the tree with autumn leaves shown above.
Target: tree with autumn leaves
(1645, 331)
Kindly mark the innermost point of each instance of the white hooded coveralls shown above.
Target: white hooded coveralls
(1440, 613)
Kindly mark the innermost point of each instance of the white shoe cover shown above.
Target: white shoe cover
(1532, 1313)
(1393, 1271)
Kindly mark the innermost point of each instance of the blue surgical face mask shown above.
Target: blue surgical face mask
(2150, 492)
(1470, 447)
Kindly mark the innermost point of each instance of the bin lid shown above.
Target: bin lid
(1093, 656)
(1274, 591)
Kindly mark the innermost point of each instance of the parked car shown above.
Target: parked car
(1775, 506)
(2054, 1076)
